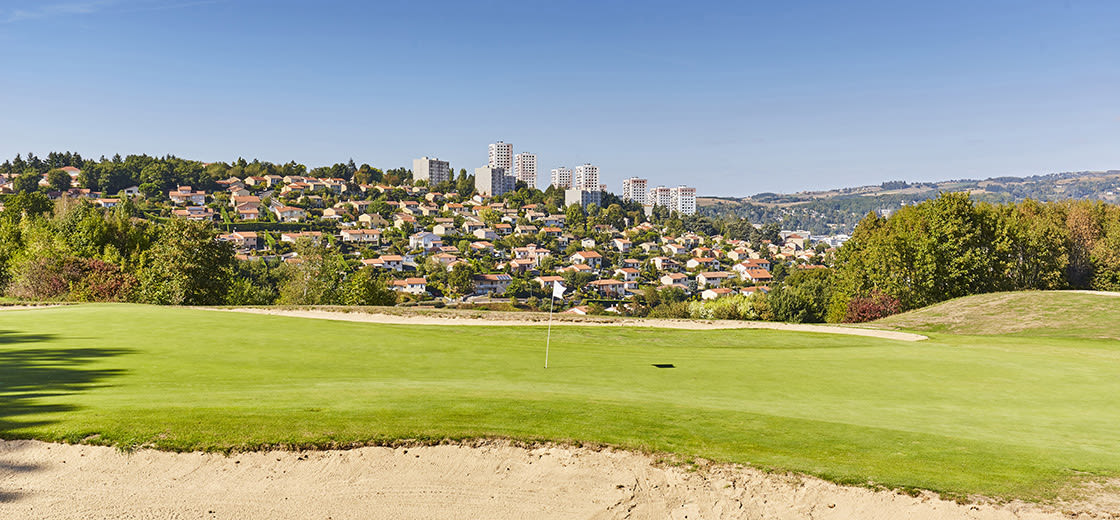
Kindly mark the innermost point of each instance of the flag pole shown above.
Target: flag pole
(548, 339)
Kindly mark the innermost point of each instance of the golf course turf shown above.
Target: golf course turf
(1004, 416)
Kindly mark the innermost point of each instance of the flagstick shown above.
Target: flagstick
(548, 339)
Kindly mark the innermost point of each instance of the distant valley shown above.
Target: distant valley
(839, 210)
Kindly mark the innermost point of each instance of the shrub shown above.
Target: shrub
(74, 279)
(870, 308)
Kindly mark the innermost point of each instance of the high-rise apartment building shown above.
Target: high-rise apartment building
(501, 156)
(434, 171)
(582, 197)
(682, 199)
(658, 196)
(586, 177)
(491, 181)
(635, 189)
(525, 168)
(561, 178)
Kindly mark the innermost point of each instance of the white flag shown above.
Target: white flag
(558, 290)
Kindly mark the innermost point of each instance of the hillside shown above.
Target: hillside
(838, 210)
(1071, 314)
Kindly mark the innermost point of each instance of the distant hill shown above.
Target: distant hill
(838, 210)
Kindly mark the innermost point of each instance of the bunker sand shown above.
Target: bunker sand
(486, 479)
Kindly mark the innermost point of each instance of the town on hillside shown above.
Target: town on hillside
(475, 238)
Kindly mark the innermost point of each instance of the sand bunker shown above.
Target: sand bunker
(373, 317)
(486, 480)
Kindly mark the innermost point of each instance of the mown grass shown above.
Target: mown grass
(1003, 416)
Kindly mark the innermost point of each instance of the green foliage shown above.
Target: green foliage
(803, 297)
(460, 280)
(58, 180)
(186, 266)
(950, 247)
(26, 182)
(365, 287)
(314, 278)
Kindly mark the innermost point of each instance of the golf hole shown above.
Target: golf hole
(664, 365)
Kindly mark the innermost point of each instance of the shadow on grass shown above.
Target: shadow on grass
(31, 374)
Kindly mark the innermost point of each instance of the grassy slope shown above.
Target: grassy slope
(1001, 416)
(1030, 313)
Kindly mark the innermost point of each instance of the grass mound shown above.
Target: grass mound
(1032, 313)
(1001, 416)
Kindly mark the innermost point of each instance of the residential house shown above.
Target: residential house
(628, 274)
(185, 195)
(390, 262)
(675, 249)
(609, 287)
(485, 234)
(590, 258)
(491, 283)
(425, 241)
(547, 281)
(362, 236)
(248, 211)
(194, 213)
(713, 279)
(372, 220)
(665, 264)
(241, 239)
(411, 285)
(621, 244)
(289, 213)
(710, 264)
(757, 275)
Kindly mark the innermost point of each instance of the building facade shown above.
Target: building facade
(635, 189)
(501, 156)
(561, 178)
(434, 171)
(682, 199)
(493, 181)
(658, 196)
(582, 197)
(525, 168)
(586, 177)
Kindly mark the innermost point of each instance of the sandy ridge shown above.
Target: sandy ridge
(490, 479)
(393, 319)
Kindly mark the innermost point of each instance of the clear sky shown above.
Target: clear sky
(734, 98)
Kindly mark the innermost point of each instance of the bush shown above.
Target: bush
(870, 308)
(677, 310)
(73, 279)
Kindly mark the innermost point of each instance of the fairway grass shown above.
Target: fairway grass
(1002, 416)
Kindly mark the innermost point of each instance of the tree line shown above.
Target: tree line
(952, 246)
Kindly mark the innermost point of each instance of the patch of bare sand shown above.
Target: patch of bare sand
(395, 319)
(485, 480)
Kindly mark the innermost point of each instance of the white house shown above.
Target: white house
(590, 258)
(362, 236)
(289, 213)
(390, 262)
(411, 285)
(425, 241)
(713, 279)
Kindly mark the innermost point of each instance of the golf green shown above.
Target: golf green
(1007, 416)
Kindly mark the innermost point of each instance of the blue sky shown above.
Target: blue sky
(734, 98)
